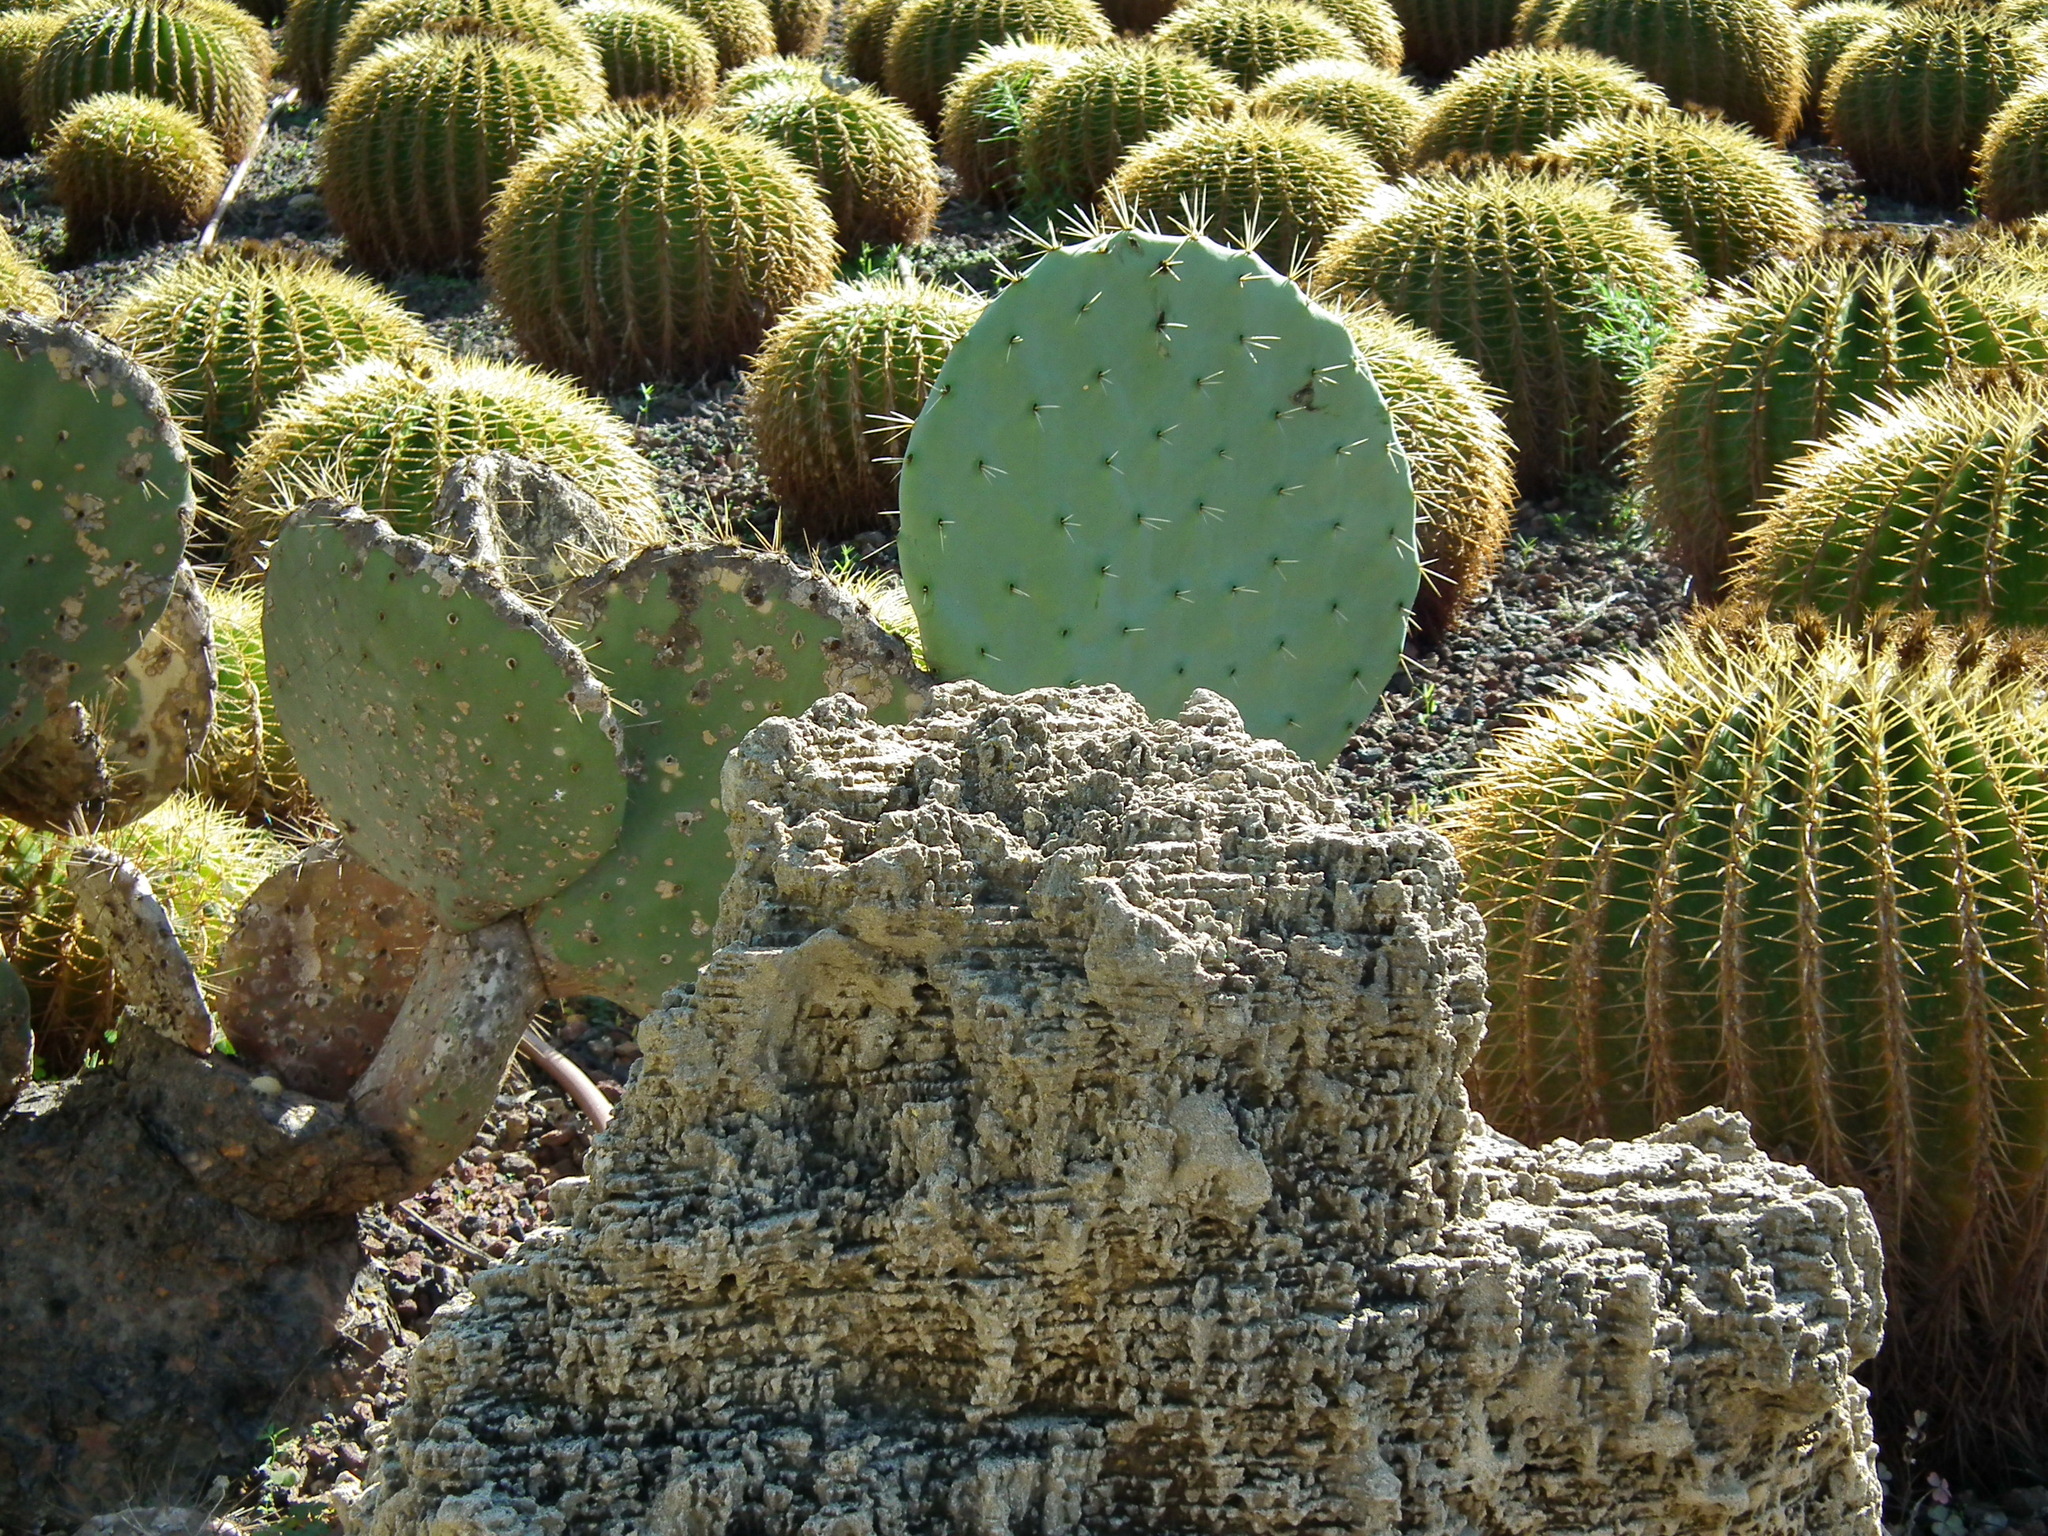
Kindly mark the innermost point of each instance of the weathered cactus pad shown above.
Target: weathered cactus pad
(698, 646)
(1152, 462)
(95, 500)
(461, 744)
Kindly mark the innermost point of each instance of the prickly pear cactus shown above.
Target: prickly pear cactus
(462, 745)
(1153, 463)
(699, 645)
(95, 501)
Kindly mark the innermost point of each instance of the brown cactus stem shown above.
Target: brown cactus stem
(435, 1076)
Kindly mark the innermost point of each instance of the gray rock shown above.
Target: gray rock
(1068, 1138)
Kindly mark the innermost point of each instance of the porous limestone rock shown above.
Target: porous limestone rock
(1068, 1138)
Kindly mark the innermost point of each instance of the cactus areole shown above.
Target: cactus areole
(1154, 463)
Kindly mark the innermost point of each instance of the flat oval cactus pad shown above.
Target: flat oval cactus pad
(1153, 462)
(460, 743)
(698, 646)
(95, 502)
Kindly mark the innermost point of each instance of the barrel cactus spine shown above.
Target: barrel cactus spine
(864, 48)
(130, 169)
(1510, 102)
(632, 247)
(23, 35)
(1079, 124)
(741, 30)
(1825, 34)
(539, 24)
(1250, 39)
(22, 285)
(650, 51)
(930, 40)
(154, 48)
(800, 25)
(981, 130)
(1372, 106)
(2012, 162)
(311, 31)
(246, 766)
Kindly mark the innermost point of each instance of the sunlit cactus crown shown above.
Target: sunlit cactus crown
(480, 104)
(232, 332)
(1731, 198)
(693, 240)
(2012, 162)
(1250, 39)
(22, 285)
(1371, 105)
(832, 393)
(1152, 462)
(930, 39)
(741, 30)
(981, 129)
(1825, 33)
(1079, 124)
(1937, 500)
(1772, 363)
(868, 156)
(384, 436)
(156, 48)
(1373, 23)
(1797, 871)
(1520, 273)
(23, 35)
(228, 16)
(128, 168)
(1910, 99)
(1275, 186)
(1460, 459)
(1740, 57)
(1508, 103)
(540, 24)
(649, 50)
(776, 71)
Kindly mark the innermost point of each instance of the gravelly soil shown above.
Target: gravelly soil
(1579, 582)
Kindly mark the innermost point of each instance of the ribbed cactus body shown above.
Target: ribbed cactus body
(1460, 459)
(741, 30)
(22, 285)
(1374, 107)
(1740, 57)
(1799, 874)
(864, 45)
(311, 32)
(1440, 37)
(384, 437)
(231, 333)
(421, 136)
(1771, 364)
(1910, 99)
(1374, 24)
(155, 50)
(22, 36)
(930, 39)
(2012, 163)
(127, 169)
(245, 766)
(800, 25)
(1937, 501)
(867, 155)
(1731, 198)
(774, 72)
(1825, 34)
(1519, 273)
(1079, 124)
(1249, 39)
(1510, 102)
(637, 247)
(981, 131)
(540, 24)
(831, 394)
(649, 51)
(1280, 188)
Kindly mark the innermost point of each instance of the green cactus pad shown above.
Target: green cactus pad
(1153, 463)
(95, 500)
(699, 646)
(462, 745)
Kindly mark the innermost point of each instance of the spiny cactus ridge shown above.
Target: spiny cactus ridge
(539, 24)
(982, 127)
(1250, 39)
(651, 51)
(867, 155)
(1079, 124)
(931, 39)
(155, 48)
(1373, 106)
(1508, 103)
(127, 168)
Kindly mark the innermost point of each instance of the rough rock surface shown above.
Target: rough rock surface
(1068, 1138)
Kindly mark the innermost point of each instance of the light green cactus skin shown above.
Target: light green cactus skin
(699, 646)
(1751, 377)
(1371, 105)
(1519, 273)
(312, 30)
(463, 746)
(95, 502)
(150, 50)
(23, 35)
(1937, 501)
(1509, 102)
(1825, 33)
(981, 131)
(2012, 163)
(540, 24)
(1730, 198)
(930, 39)
(1152, 463)
(1281, 188)
(637, 247)
(1740, 57)
(1079, 124)
(1910, 99)
(651, 51)
(868, 156)
(480, 104)
(1440, 37)
(1250, 39)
